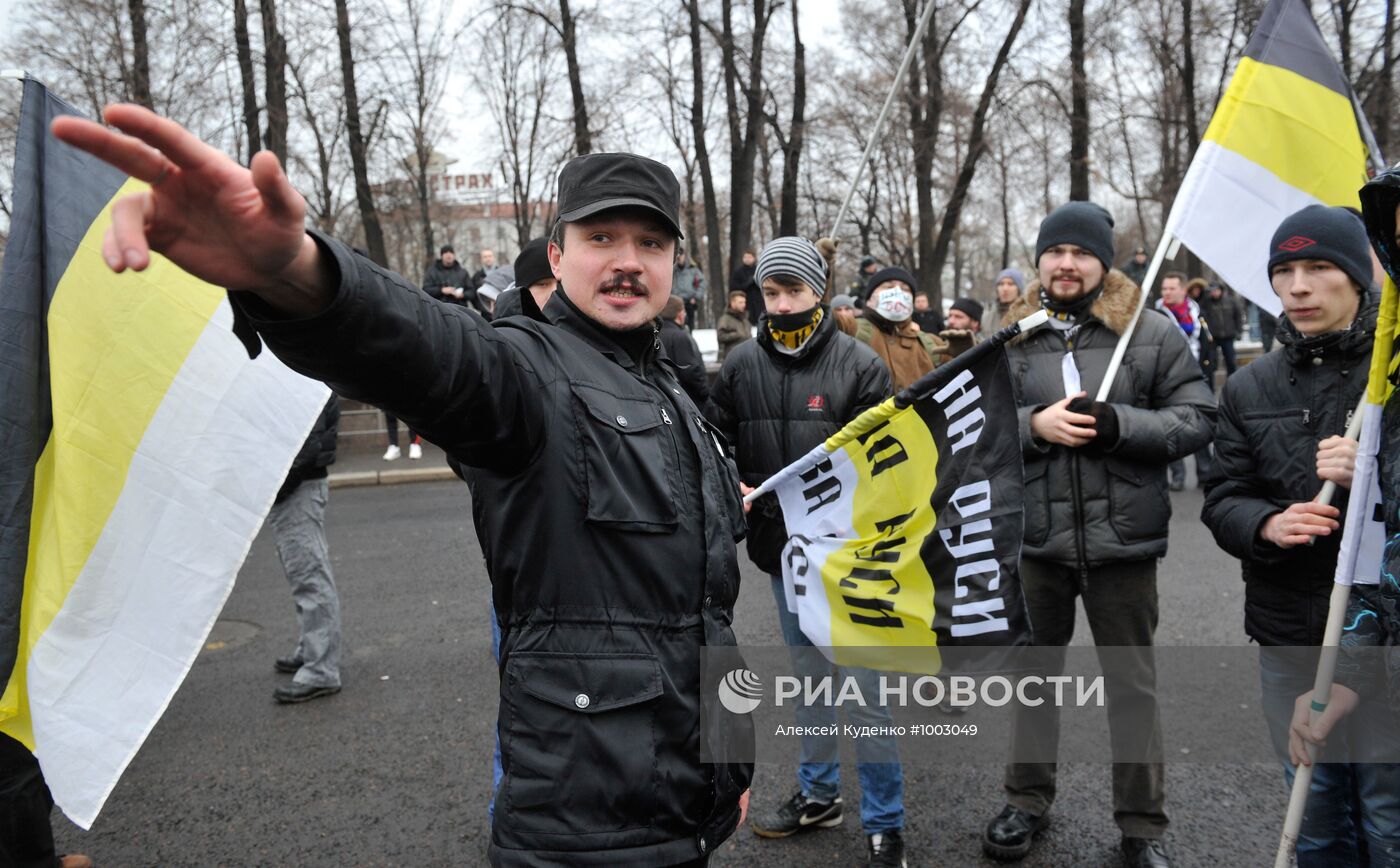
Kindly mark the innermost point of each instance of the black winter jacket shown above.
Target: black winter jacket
(610, 542)
(1085, 510)
(682, 350)
(438, 275)
(317, 453)
(1273, 413)
(775, 407)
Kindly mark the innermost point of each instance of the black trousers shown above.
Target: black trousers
(26, 838)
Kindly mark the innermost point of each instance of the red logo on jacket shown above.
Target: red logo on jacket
(816, 403)
(1296, 243)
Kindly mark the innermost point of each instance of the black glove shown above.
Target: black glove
(1105, 423)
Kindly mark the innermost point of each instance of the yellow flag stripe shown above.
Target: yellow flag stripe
(116, 342)
(880, 498)
(1301, 131)
(1378, 385)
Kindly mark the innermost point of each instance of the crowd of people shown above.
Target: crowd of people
(572, 399)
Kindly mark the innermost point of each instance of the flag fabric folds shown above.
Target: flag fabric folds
(905, 527)
(1284, 136)
(1363, 535)
(140, 449)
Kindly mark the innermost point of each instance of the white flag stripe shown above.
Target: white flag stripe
(1227, 211)
(199, 485)
(1363, 536)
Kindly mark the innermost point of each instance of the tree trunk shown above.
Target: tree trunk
(364, 197)
(976, 146)
(1079, 106)
(1385, 89)
(792, 150)
(244, 51)
(275, 83)
(741, 194)
(925, 110)
(140, 56)
(1188, 80)
(719, 278)
(583, 141)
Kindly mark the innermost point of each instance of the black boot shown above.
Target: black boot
(1009, 836)
(1145, 853)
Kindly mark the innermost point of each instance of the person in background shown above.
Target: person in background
(298, 522)
(742, 281)
(868, 266)
(1136, 269)
(26, 832)
(487, 258)
(733, 328)
(688, 284)
(926, 315)
(1187, 315)
(964, 329)
(886, 326)
(1279, 438)
(533, 277)
(843, 307)
(1268, 329)
(800, 381)
(1197, 290)
(1010, 283)
(497, 282)
(445, 279)
(683, 352)
(391, 430)
(1224, 316)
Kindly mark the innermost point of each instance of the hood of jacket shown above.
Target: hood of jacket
(1379, 199)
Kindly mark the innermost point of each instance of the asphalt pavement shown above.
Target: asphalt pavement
(396, 769)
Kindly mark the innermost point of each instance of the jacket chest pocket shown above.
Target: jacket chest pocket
(1270, 430)
(629, 457)
(580, 739)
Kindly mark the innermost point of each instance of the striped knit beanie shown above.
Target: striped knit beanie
(791, 256)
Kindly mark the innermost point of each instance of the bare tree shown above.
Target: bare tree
(243, 49)
(274, 80)
(140, 55)
(1079, 106)
(715, 262)
(364, 197)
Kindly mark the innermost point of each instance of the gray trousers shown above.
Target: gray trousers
(1121, 603)
(300, 528)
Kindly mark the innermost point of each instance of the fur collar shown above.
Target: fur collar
(1114, 307)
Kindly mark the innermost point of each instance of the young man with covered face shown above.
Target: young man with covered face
(612, 520)
(1278, 438)
(776, 398)
(886, 325)
(1096, 512)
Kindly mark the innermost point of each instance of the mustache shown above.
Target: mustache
(623, 281)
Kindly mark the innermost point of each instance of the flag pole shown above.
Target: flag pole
(1119, 351)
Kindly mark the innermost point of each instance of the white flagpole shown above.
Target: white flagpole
(1148, 281)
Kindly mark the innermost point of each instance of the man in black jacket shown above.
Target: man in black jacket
(682, 350)
(446, 279)
(778, 396)
(742, 281)
(1277, 440)
(610, 537)
(1097, 511)
(298, 521)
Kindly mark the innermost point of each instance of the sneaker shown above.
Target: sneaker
(798, 814)
(414, 451)
(392, 453)
(289, 665)
(886, 849)
(1145, 853)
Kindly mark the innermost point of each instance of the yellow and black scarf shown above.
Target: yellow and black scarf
(792, 330)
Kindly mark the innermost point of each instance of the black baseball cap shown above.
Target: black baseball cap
(600, 182)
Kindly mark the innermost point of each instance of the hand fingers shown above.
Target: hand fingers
(1080, 419)
(129, 215)
(1322, 509)
(111, 254)
(127, 154)
(179, 144)
(279, 196)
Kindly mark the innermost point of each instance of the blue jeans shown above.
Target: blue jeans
(1343, 796)
(819, 773)
(496, 772)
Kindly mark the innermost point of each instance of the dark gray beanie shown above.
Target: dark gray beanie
(1080, 223)
(1319, 232)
